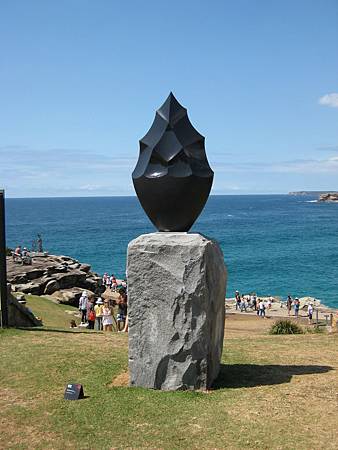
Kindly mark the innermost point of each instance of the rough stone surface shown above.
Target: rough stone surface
(18, 314)
(51, 287)
(50, 273)
(176, 293)
(68, 296)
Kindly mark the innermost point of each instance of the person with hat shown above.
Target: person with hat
(98, 313)
(107, 316)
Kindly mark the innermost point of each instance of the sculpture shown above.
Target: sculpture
(172, 177)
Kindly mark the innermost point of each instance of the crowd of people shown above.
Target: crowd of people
(110, 282)
(252, 302)
(103, 314)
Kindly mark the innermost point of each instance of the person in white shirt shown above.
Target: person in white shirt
(83, 306)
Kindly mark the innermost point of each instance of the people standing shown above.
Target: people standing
(39, 244)
(289, 304)
(296, 307)
(261, 308)
(83, 306)
(113, 284)
(243, 304)
(122, 310)
(91, 317)
(310, 313)
(104, 279)
(254, 302)
(107, 316)
(238, 300)
(98, 313)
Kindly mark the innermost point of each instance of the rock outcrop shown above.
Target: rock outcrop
(60, 277)
(176, 292)
(18, 314)
(329, 197)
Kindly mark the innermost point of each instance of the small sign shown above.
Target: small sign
(74, 392)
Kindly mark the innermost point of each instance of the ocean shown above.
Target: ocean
(272, 244)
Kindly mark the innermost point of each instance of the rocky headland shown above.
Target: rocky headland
(329, 197)
(60, 278)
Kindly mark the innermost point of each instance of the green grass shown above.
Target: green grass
(274, 392)
(52, 314)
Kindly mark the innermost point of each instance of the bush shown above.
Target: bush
(285, 327)
(8, 251)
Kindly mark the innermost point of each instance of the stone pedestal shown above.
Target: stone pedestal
(176, 293)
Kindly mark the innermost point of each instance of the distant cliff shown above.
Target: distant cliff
(311, 192)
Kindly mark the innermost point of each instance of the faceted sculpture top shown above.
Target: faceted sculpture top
(172, 177)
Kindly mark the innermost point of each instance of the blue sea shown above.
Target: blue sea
(272, 244)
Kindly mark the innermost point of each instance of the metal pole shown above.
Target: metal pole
(3, 270)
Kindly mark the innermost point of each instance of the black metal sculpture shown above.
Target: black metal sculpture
(172, 177)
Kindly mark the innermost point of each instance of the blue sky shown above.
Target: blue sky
(80, 82)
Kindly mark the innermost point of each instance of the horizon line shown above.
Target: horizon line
(130, 196)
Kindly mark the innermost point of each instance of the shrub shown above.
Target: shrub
(8, 251)
(284, 326)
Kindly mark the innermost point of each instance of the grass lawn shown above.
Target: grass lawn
(274, 392)
(52, 314)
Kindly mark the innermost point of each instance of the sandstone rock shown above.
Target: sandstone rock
(74, 266)
(70, 279)
(18, 314)
(68, 296)
(85, 267)
(51, 287)
(30, 288)
(66, 271)
(34, 274)
(176, 292)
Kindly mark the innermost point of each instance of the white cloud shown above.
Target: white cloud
(329, 100)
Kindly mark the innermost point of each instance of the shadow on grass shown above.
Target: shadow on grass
(57, 330)
(251, 375)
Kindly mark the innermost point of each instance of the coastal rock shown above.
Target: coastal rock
(85, 268)
(50, 273)
(18, 314)
(30, 288)
(51, 287)
(68, 296)
(329, 197)
(176, 292)
(70, 279)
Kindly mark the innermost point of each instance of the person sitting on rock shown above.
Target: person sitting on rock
(17, 254)
(26, 258)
